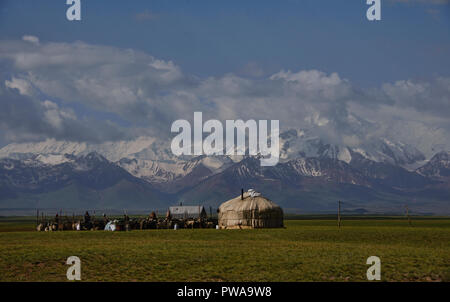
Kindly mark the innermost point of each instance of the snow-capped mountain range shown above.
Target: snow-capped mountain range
(370, 176)
(152, 158)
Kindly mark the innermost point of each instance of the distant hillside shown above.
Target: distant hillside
(86, 181)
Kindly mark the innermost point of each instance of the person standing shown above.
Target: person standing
(87, 220)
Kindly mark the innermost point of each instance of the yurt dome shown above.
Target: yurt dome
(250, 210)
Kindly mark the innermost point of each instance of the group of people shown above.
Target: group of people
(87, 222)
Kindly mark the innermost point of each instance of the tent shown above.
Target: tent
(187, 212)
(250, 210)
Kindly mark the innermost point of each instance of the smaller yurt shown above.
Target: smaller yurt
(250, 210)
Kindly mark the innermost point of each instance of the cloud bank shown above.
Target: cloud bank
(124, 93)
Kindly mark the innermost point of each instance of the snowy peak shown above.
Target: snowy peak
(301, 143)
(113, 151)
(40, 159)
(248, 167)
(93, 157)
(150, 170)
(167, 171)
(437, 166)
(53, 159)
(306, 167)
(400, 153)
(89, 161)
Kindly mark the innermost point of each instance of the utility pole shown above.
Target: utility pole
(339, 214)
(407, 214)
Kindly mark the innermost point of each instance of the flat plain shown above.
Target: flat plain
(307, 249)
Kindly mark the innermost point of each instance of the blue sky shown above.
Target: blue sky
(208, 38)
(130, 68)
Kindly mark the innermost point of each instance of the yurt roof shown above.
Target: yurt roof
(248, 203)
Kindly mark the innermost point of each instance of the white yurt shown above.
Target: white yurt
(250, 210)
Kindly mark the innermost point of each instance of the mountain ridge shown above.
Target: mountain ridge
(303, 181)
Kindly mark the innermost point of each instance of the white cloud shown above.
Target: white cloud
(25, 118)
(432, 96)
(55, 116)
(149, 94)
(22, 85)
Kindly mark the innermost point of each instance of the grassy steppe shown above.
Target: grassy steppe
(306, 250)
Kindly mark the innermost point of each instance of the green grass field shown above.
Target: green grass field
(306, 250)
